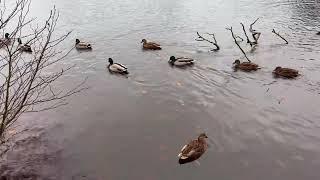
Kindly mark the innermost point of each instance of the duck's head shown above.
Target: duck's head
(173, 59)
(7, 35)
(202, 136)
(277, 68)
(77, 41)
(237, 62)
(110, 60)
(19, 41)
(144, 41)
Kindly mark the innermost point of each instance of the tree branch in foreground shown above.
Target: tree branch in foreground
(27, 81)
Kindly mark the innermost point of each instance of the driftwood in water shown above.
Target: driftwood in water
(255, 34)
(235, 40)
(274, 32)
(214, 42)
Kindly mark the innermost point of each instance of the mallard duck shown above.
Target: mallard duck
(5, 41)
(285, 72)
(24, 48)
(82, 45)
(117, 68)
(245, 66)
(193, 150)
(181, 61)
(150, 45)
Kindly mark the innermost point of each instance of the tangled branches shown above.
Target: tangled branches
(25, 82)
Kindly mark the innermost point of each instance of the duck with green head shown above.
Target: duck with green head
(25, 47)
(180, 61)
(82, 45)
(116, 67)
(5, 41)
(193, 150)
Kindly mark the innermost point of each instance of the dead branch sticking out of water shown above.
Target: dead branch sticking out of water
(280, 36)
(255, 34)
(245, 33)
(235, 40)
(201, 38)
(241, 39)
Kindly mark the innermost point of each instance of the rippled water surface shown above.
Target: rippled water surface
(133, 128)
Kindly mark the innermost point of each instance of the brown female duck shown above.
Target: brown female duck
(285, 72)
(245, 66)
(150, 45)
(193, 150)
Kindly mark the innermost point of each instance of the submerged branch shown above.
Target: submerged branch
(235, 40)
(201, 38)
(280, 36)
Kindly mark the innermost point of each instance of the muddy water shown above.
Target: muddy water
(132, 128)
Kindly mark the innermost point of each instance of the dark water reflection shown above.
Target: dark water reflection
(133, 128)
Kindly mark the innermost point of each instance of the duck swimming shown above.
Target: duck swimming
(5, 41)
(245, 66)
(82, 45)
(194, 150)
(150, 45)
(24, 48)
(117, 68)
(285, 72)
(181, 61)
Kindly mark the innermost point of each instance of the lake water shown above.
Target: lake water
(133, 128)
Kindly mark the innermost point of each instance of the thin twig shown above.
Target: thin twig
(201, 38)
(255, 34)
(280, 36)
(235, 40)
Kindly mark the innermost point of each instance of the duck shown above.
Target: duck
(181, 61)
(117, 68)
(24, 48)
(82, 45)
(150, 45)
(194, 150)
(5, 41)
(245, 66)
(285, 72)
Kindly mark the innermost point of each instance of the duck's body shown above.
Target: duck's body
(150, 45)
(181, 61)
(117, 68)
(82, 45)
(25, 47)
(193, 150)
(245, 66)
(5, 41)
(286, 72)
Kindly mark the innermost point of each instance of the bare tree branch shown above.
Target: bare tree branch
(201, 38)
(273, 31)
(255, 34)
(27, 82)
(235, 40)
